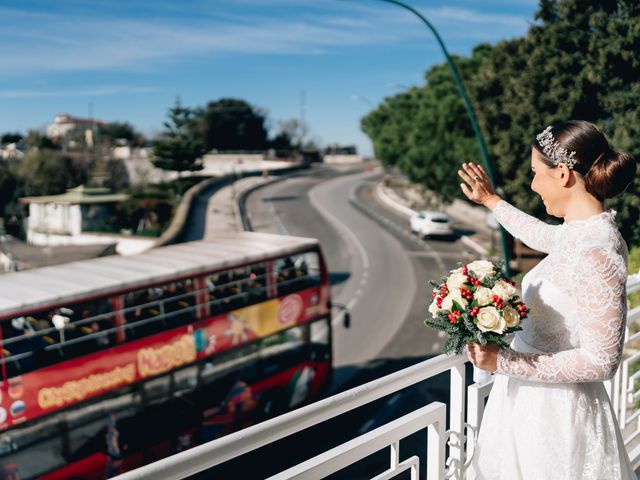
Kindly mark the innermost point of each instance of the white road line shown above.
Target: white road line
(435, 254)
(339, 225)
(282, 230)
(348, 236)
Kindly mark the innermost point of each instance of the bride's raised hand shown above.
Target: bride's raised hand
(478, 186)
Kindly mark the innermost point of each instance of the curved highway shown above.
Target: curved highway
(379, 270)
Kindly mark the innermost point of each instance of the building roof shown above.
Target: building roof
(80, 195)
(66, 118)
(68, 283)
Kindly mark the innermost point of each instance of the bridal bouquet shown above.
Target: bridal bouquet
(475, 304)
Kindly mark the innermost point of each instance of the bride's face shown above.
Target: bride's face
(547, 183)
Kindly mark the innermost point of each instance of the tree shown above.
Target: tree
(232, 124)
(9, 188)
(391, 124)
(180, 147)
(35, 139)
(10, 137)
(50, 172)
(578, 61)
(114, 131)
(426, 132)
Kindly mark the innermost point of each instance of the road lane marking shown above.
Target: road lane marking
(350, 238)
(275, 218)
(400, 228)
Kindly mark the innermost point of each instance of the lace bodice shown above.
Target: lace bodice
(577, 296)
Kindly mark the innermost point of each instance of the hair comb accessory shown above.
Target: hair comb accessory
(552, 149)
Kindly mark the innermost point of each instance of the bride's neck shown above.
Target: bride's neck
(583, 207)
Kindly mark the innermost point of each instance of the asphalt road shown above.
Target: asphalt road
(381, 271)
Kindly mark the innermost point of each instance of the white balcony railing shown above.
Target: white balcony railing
(466, 406)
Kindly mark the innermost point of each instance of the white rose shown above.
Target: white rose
(483, 296)
(433, 308)
(504, 290)
(490, 320)
(511, 316)
(447, 302)
(455, 281)
(481, 268)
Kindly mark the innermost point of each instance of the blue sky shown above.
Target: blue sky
(130, 59)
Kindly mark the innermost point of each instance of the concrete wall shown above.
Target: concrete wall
(56, 218)
(342, 159)
(125, 245)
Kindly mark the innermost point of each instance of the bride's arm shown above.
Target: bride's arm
(599, 283)
(534, 233)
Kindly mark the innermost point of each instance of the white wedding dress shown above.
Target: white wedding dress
(548, 416)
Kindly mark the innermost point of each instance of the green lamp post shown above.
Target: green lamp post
(472, 116)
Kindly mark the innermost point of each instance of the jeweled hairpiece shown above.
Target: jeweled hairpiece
(552, 149)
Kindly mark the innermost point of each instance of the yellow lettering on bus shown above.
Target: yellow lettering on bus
(152, 361)
(77, 390)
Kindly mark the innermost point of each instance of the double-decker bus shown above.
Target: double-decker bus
(111, 363)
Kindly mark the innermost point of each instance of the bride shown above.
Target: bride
(548, 416)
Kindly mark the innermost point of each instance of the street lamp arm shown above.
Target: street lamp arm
(472, 116)
(457, 79)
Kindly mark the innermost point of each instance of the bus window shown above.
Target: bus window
(320, 332)
(255, 285)
(185, 380)
(320, 340)
(242, 359)
(41, 441)
(179, 302)
(143, 313)
(283, 350)
(236, 288)
(48, 337)
(295, 273)
(90, 327)
(158, 389)
(153, 310)
(228, 400)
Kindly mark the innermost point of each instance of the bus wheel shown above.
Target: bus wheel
(272, 403)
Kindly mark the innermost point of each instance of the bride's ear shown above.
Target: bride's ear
(563, 174)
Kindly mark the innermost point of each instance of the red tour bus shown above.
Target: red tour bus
(111, 363)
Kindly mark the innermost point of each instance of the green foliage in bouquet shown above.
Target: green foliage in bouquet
(459, 322)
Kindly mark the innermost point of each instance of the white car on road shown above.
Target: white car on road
(428, 223)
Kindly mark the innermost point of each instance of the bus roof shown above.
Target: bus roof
(70, 282)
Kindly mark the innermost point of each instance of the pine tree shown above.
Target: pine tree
(180, 147)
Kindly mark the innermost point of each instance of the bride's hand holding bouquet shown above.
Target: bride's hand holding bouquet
(476, 306)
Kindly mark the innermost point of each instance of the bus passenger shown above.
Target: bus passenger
(114, 454)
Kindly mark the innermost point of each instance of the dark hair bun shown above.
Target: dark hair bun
(606, 173)
(611, 175)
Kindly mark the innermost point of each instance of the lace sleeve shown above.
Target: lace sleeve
(599, 287)
(534, 233)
